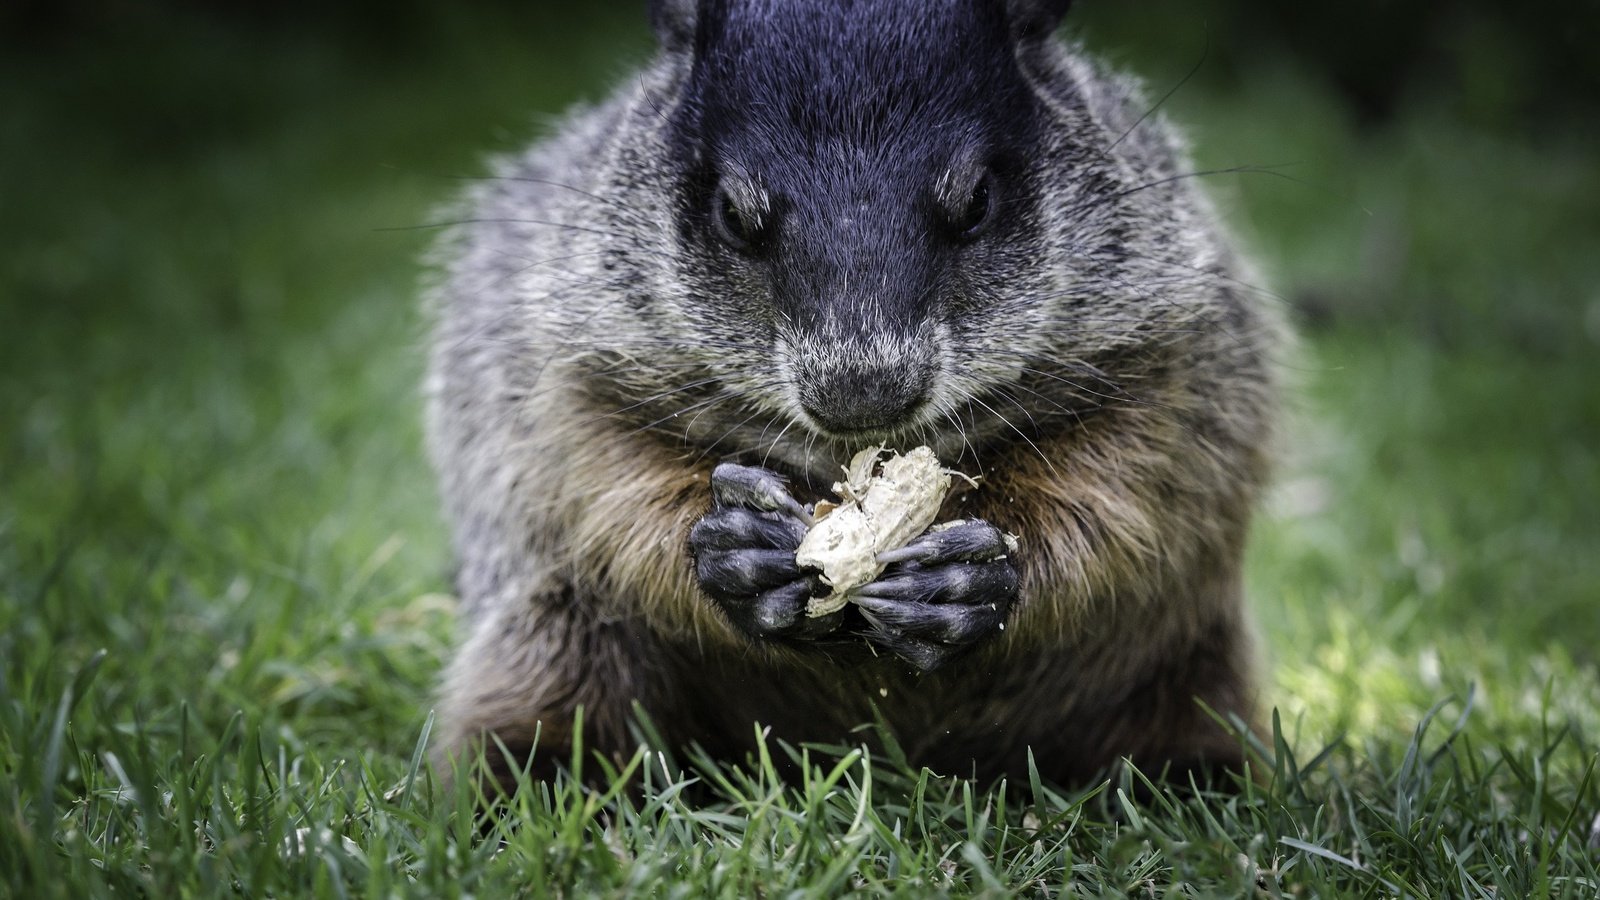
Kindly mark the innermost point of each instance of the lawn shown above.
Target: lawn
(223, 579)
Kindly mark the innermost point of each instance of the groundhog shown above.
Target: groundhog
(808, 227)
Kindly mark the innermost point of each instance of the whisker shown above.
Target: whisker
(774, 445)
(691, 343)
(618, 205)
(750, 391)
(661, 395)
(507, 220)
(1204, 274)
(1205, 51)
(1181, 176)
(1033, 423)
(992, 411)
(723, 397)
(1065, 410)
(1122, 395)
(950, 414)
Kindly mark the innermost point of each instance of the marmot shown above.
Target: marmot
(808, 227)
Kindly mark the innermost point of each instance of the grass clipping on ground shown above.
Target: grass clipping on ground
(882, 507)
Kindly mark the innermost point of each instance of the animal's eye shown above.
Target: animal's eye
(971, 216)
(737, 227)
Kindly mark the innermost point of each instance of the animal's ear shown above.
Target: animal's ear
(674, 22)
(1034, 20)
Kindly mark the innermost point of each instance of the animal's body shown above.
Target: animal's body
(809, 227)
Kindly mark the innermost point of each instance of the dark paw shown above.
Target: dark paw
(942, 593)
(744, 556)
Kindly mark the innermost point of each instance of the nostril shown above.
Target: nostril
(862, 409)
(855, 386)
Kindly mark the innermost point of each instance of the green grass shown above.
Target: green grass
(222, 576)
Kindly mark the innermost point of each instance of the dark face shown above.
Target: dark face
(859, 183)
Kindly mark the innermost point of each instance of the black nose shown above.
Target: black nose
(863, 399)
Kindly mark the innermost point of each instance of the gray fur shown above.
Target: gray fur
(582, 386)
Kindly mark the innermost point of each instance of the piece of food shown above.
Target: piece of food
(882, 507)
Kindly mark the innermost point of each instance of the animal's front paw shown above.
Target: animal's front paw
(942, 593)
(744, 556)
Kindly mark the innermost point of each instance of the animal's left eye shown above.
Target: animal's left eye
(969, 216)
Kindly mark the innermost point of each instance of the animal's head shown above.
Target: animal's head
(868, 209)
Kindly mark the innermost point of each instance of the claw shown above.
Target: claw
(744, 556)
(943, 593)
(925, 656)
(942, 623)
(740, 573)
(754, 488)
(958, 583)
(780, 613)
(965, 540)
(736, 528)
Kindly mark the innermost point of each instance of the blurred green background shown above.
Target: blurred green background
(210, 223)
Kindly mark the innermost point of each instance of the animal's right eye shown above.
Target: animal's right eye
(738, 227)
